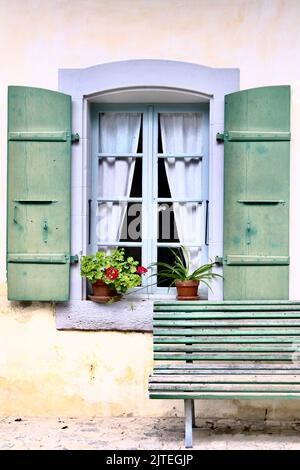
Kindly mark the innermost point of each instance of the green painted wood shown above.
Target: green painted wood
(224, 396)
(225, 339)
(215, 387)
(227, 348)
(224, 315)
(225, 379)
(223, 357)
(256, 136)
(38, 211)
(256, 168)
(241, 303)
(221, 369)
(239, 332)
(242, 260)
(227, 308)
(40, 136)
(227, 323)
(220, 375)
(250, 351)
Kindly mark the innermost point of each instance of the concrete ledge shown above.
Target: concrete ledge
(125, 315)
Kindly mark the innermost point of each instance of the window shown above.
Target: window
(149, 178)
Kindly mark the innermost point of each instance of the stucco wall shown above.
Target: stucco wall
(46, 372)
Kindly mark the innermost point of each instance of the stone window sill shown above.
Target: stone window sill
(134, 314)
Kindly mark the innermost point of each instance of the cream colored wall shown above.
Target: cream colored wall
(46, 372)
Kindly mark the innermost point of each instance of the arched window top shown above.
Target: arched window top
(148, 74)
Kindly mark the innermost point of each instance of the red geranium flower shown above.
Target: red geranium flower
(141, 270)
(111, 273)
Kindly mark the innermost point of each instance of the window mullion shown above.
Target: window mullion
(147, 206)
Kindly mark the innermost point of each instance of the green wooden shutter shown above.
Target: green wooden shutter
(38, 212)
(256, 194)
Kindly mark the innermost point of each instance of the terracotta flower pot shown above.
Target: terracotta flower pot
(187, 290)
(103, 293)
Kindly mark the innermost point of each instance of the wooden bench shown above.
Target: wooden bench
(225, 350)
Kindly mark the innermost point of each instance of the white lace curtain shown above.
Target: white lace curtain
(119, 134)
(182, 133)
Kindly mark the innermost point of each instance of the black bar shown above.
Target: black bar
(90, 206)
(206, 223)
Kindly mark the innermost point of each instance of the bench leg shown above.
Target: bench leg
(188, 423)
(193, 414)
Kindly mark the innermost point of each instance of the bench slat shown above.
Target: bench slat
(226, 348)
(215, 368)
(230, 315)
(224, 308)
(226, 331)
(227, 323)
(261, 303)
(226, 396)
(226, 339)
(223, 357)
(215, 387)
(226, 378)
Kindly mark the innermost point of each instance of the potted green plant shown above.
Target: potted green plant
(111, 275)
(185, 280)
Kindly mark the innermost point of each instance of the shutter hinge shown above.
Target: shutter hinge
(74, 259)
(220, 137)
(219, 260)
(75, 137)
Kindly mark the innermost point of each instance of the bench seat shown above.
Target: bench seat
(191, 382)
(224, 350)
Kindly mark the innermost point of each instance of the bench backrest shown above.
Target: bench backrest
(242, 332)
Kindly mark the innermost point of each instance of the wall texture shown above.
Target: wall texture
(46, 372)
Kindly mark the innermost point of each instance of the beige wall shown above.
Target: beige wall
(42, 371)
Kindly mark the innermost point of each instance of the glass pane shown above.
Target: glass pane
(167, 228)
(119, 221)
(180, 178)
(165, 255)
(194, 259)
(163, 184)
(137, 180)
(119, 177)
(180, 133)
(181, 222)
(134, 251)
(120, 132)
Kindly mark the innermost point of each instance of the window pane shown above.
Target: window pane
(119, 221)
(134, 251)
(181, 222)
(163, 184)
(167, 228)
(180, 133)
(119, 132)
(119, 177)
(166, 256)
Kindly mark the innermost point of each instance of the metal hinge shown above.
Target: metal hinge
(74, 259)
(220, 137)
(75, 137)
(219, 260)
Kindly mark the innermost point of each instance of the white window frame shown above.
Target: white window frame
(149, 199)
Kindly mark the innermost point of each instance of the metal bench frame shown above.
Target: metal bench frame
(225, 350)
